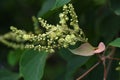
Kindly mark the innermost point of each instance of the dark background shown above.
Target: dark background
(97, 18)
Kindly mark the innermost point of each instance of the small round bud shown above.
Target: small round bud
(26, 37)
(51, 51)
(64, 7)
(61, 15)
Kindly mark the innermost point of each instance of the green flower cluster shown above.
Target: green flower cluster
(55, 36)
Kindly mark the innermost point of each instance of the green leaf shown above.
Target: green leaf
(46, 8)
(32, 64)
(14, 56)
(60, 3)
(8, 75)
(115, 5)
(73, 63)
(115, 43)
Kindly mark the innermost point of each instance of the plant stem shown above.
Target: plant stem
(113, 58)
(79, 78)
(110, 61)
(105, 71)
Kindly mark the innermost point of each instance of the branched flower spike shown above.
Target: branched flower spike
(56, 36)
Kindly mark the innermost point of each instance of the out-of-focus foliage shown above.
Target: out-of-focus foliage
(99, 19)
(115, 43)
(115, 6)
(14, 57)
(7, 75)
(71, 61)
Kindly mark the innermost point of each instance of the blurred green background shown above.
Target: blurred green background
(16, 13)
(99, 19)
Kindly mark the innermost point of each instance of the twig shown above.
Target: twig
(105, 70)
(79, 78)
(113, 58)
(110, 61)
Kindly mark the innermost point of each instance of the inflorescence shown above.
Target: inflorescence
(55, 36)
